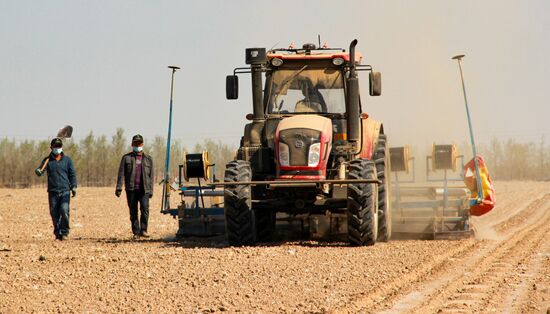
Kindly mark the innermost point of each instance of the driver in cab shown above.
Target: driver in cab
(312, 101)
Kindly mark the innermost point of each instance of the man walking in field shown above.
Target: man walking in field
(136, 170)
(61, 183)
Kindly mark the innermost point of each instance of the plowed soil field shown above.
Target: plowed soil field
(506, 269)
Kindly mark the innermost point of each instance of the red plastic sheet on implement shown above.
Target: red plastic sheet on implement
(489, 199)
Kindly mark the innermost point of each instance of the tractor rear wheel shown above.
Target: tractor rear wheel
(362, 204)
(381, 160)
(239, 216)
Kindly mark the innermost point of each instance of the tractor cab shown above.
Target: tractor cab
(306, 87)
(306, 97)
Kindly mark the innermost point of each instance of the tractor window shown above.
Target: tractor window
(302, 90)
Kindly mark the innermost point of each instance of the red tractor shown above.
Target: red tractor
(310, 153)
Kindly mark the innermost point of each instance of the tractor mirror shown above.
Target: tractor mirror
(232, 87)
(375, 85)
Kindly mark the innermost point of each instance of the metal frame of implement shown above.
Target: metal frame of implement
(202, 219)
(438, 212)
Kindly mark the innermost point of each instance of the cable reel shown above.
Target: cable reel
(399, 158)
(444, 157)
(196, 166)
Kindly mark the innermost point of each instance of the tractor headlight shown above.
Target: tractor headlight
(284, 156)
(276, 62)
(338, 61)
(314, 155)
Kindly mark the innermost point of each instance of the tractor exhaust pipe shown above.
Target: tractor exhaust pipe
(352, 105)
(257, 101)
(256, 57)
(352, 57)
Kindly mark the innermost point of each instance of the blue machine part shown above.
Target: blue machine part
(197, 218)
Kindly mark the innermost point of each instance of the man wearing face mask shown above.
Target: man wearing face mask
(136, 170)
(61, 183)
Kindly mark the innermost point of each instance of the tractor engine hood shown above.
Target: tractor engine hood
(303, 145)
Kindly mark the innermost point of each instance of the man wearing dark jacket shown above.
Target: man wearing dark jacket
(61, 181)
(136, 170)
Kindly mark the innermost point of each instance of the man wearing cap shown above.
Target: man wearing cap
(61, 183)
(136, 170)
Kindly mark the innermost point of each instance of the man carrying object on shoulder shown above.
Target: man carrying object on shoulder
(61, 183)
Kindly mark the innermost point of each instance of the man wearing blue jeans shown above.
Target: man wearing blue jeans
(61, 183)
(136, 172)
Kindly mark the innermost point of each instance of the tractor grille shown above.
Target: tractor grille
(298, 141)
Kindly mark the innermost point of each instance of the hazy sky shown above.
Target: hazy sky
(99, 65)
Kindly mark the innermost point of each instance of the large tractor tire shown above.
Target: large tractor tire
(381, 160)
(265, 224)
(240, 222)
(265, 217)
(362, 204)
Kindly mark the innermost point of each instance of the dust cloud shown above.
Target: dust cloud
(484, 231)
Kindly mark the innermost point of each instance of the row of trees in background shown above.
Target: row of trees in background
(97, 158)
(513, 160)
(507, 159)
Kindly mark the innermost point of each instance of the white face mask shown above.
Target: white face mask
(57, 151)
(137, 149)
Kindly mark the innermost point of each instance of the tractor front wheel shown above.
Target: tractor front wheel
(265, 224)
(240, 222)
(381, 160)
(362, 208)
